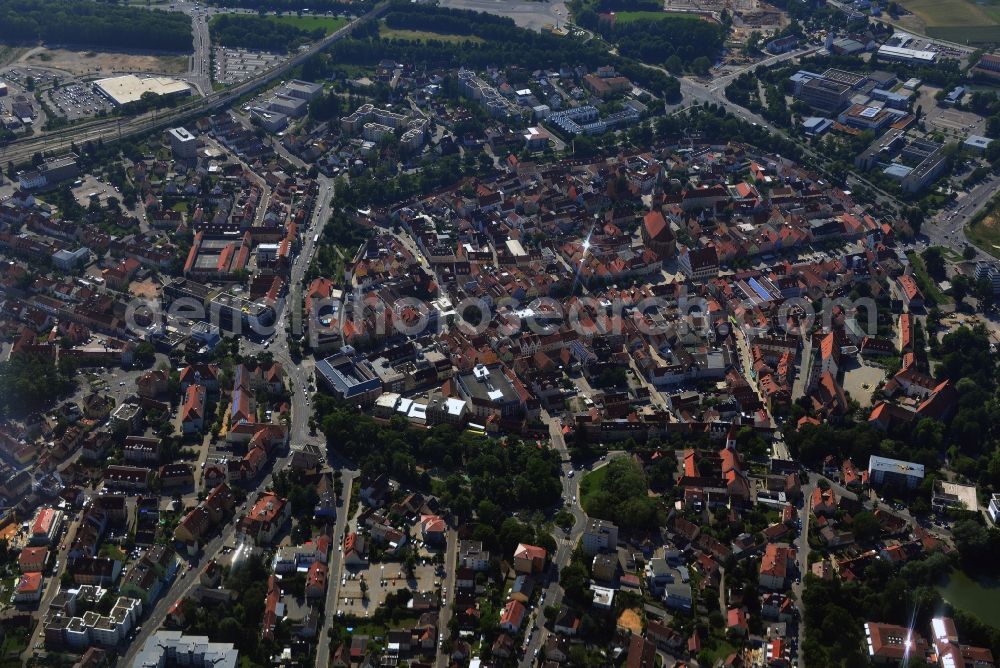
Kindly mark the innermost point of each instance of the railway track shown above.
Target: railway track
(61, 140)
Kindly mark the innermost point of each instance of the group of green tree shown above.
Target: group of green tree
(969, 439)
(96, 24)
(819, 16)
(327, 107)
(316, 6)
(467, 469)
(342, 236)
(575, 579)
(147, 102)
(962, 286)
(260, 32)
(709, 120)
(745, 90)
(29, 383)
(383, 184)
(713, 121)
(502, 42)
(835, 610)
(675, 42)
(302, 498)
(622, 496)
(239, 622)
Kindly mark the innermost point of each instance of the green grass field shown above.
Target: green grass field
(966, 34)
(330, 24)
(984, 233)
(717, 648)
(112, 552)
(961, 21)
(385, 32)
(932, 292)
(591, 483)
(632, 17)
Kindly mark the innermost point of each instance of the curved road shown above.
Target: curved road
(565, 543)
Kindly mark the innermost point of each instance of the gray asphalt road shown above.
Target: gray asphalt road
(444, 617)
(298, 379)
(554, 592)
(333, 589)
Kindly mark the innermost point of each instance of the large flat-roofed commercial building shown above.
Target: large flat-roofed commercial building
(885, 471)
(490, 392)
(868, 118)
(977, 143)
(350, 378)
(904, 55)
(828, 92)
(51, 172)
(852, 79)
(173, 648)
(305, 90)
(295, 107)
(930, 162)
(824, 95)
(238, 315)
(130, 88)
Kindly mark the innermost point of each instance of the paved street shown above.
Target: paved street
(802, 549)
(333, 588)
(947, 227)
(448, 582)
(565, 543)
(298, 382)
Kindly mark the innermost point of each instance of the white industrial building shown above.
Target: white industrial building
(130, 88)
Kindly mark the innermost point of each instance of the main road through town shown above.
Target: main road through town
(298, 379)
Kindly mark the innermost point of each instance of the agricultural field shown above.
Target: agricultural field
(961, 21)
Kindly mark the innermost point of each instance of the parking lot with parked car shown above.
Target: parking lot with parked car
(380, 579)
(77, 100)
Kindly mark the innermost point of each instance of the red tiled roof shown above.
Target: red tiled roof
(194, 402)
(775, 561)
(29, 582)
(909, 286)
(43, 521)
(513, 614)
(271, 608)
(532, 552)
